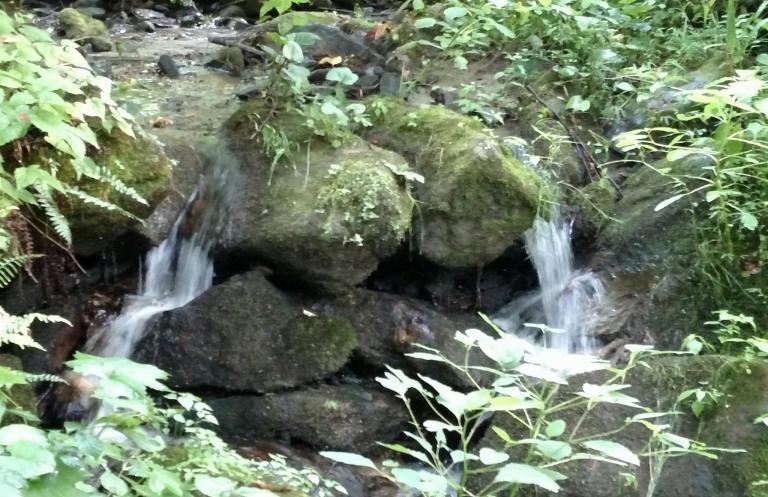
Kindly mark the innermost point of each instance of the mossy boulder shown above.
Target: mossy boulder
(648, 255)
(329, 417)
(140, 164)
(328, 218)
(476, 200)
(245, 335)
(79, 26)
(729, 424)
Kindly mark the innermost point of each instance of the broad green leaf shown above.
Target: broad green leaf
(113, 483)
(614, 450)
(349, 458)
(425, 22)
(453, 13)
(555, 428)
(214, 486)
(554, 449)
(12, 434)
(748, 221)
(292, 51)
(490, 457)
(342, 75)
(578, 104)
(529, 475)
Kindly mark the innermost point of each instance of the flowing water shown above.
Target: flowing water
(567, 300)
(177, 271)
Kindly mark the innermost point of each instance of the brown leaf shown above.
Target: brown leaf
(331, 61)
(378, 30)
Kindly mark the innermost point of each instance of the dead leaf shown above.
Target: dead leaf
(331, 61)
(379, 30)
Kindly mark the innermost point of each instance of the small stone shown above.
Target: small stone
(190, 20)
(168, 66)
(146, 26)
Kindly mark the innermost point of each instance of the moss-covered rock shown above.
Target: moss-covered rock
(245, 335)
(476, 198)
(140, 164)
(655, 251)
(79, 26)
(329, 218)
(340, 417)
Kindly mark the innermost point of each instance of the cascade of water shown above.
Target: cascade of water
(177, 271)
(566, 300)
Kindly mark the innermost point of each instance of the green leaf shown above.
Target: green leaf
(418, 4)
(748, 221)
(490, 457)
(214, 486)
(667, 202)
(342, 75)
(529, 475)
(292, 51)
(12, 434)
(349, 458)
(555, 428)
(60, 484)
(453, 13)
(578, 104)
(553, 449)
(425, 22)
(614, 450)
(113, 483)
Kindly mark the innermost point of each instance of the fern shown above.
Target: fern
(87, 167)
(55, 217)
(90, 199)
(16, 329)
(10, 266)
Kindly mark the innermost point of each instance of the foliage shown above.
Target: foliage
(537, 422)
(727, 123)
(134, 447)
(50, 99)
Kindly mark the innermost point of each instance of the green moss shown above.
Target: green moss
(476, 198)
(324, 342)
(596, 203)
(77, 25)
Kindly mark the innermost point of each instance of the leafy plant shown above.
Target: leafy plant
(538, 425)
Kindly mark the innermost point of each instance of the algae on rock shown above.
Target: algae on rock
(79, 26)
(476, 200)
(329, 217)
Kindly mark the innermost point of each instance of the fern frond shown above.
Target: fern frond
(16, 329)
(37, 378)
(10, 266)
(90, 199)
(55, 217)
(106, 176)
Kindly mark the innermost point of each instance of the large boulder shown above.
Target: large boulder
(476, 200)
(388, 326)
(342, 417)
(728, 424)
(245, 335)
(326, 220)
(647, 256)
(138, 163)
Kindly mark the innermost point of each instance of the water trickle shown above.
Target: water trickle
(567, 299)
(177, 271)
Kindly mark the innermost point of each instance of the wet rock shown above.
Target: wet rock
(328, 217)
(646, 258)
(79, 26)
(389, 85)
(476, 200)
(245, 335)
(389, 325)
(230, 59)
(728, 424)
(146, 26)
(343, 417)
(100, 44)
(190, 20)
(168, 66)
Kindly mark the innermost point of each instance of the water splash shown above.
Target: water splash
(567, 299)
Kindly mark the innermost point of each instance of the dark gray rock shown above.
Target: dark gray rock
(245, 335)
(343, 417)
(389, 84)
(168, 66)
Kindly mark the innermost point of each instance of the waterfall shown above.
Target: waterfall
(567, 299)
(177, 271)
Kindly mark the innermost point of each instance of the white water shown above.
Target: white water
(567, 299)
(177, 271)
